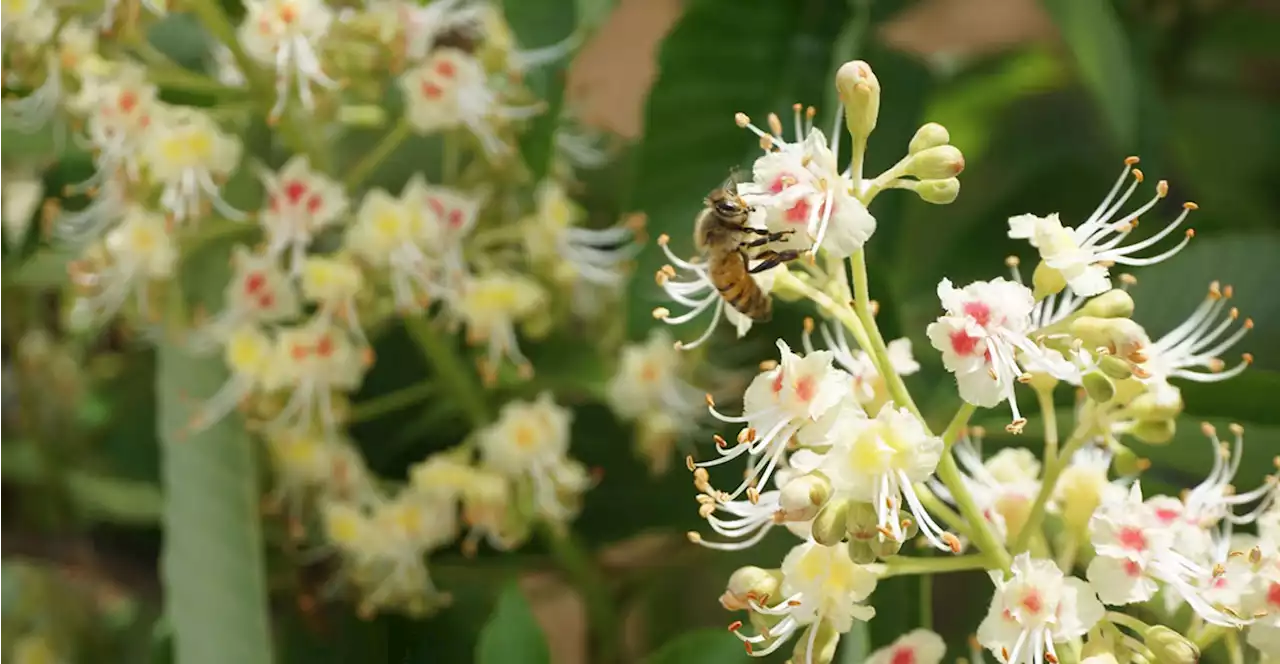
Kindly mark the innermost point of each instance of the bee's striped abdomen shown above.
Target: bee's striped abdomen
(730, 276)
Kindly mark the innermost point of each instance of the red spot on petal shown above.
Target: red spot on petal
(455, 218)
(777, 382)
(313, 203)
(806, 388)
(1273, 595)
(1032, 601)
(962, 343)
(1132, 569)
(294, 190)
(979, 312)
(298, 352)
(436, 206)
(431, 90)
(903, 655)
(1133, 539)
(324, 347)
(127, 101)
(799, 213)
(255, 282)
(266, 301)
(1166, 515)
(446, 69)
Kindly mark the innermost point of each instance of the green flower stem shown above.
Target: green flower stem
(452, 374)
(840, 311)
(878, 351)
(1127, 620)
(1044, 396)
(570, 554)
(1235, 652)
(1209, 636)
(572, 557)
(907, 565)
(1053, 467)
(390, 402)
(949, 473)
(366, 166)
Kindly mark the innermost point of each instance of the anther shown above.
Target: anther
(753, 496)
(1236, 429)
(1137, 175)
(768, 365)
(951, 541)
(742, 119)
(794, 602)
(1128, 279)
(1248, 323)
(747, 435)
(735, 625)
(694, 537)
(720, 441)
(1012, 261)
(808, 325)
(1247, 357)
(1207, 429)
(1191, 232)
(661, 313)
(810, 113)
(1190, 205)
(1024, 378)
(1016, 426)
(1051, 658)
(1233, 314)
(663, 240)
(711, 402)
(766, 143)
(775, 125)
(1131, 160)
(688, 463)
(1162, 189)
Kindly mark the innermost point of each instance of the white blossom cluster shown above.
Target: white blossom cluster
(837, 452)
(481, 255)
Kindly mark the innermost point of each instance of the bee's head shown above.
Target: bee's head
(726, 203)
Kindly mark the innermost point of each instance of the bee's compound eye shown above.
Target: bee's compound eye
(728, 207)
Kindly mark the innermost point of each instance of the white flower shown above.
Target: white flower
(801, 185)
(552, 237)
(255, 369)
(300, 204)
(284, 34)
(391, 233)
(868, 385)
(745, 522)
(449, 90)
(420, 25)
(1082, 255)
(1135, 552)
(983, 340)
(777, 405)
(138, 251)
(920, 646)
(315, 359)
(258, 292)
(530, 441)
(648, 380)
(820, 584)
(120, 109)
(382, 551)
(1211, 504)
(449, 215)
(1263, 600)
(28, 23)
(306, 463)
(189, 155)
(1034, 609)
(879, 461)
(1004, 486)
(332, 283)
(699, 294)
(1197, 342)
(491, 305)
(1083, 485)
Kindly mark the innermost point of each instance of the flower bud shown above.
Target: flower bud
(939, 192)
(929, 135)
(1115, 367)
(936, 163)
(1046, 281)
(1104, 658)
(1041, 380)
(1098, 386)
(829, 525)
(861, 552)
(884, 547)
(1154, 432)
(802, 497)
(1125, 462)
(1123, 336)
(1170, 647)
(1079, 492)
(859, 91)
(1159, 404)
(862, 522)
(362, 115)
(747, 583)
(824, 644)
(1111, 304)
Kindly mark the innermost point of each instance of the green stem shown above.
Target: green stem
(390, 402)
(1044, 396)
(906, 565)
(455, 376)
(926, 601)
(1127, 621)
(1234, 651)
(1053, 467)
(982, 534)
(572, 557)
(1209, 636)
(878, 350)
(366, 166)
(840, 311)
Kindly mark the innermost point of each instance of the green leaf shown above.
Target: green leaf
(512, 636)
(707, 646)
(593, 13)
(1097, 42)
(538, 24)
(691, 141)
(212, 566)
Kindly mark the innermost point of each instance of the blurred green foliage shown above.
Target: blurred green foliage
(1044, 126)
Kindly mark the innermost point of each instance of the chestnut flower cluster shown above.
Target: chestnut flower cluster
(321, 261)
(837, 453)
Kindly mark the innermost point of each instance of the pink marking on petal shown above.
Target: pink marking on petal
(903, 655)
(806, 388)
(1133, 538)
(962, 343)
(979, 312)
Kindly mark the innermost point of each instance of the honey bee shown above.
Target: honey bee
(722, 234)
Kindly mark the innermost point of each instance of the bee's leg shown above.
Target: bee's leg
(768, 236)
(771, 259)
(756, 243)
